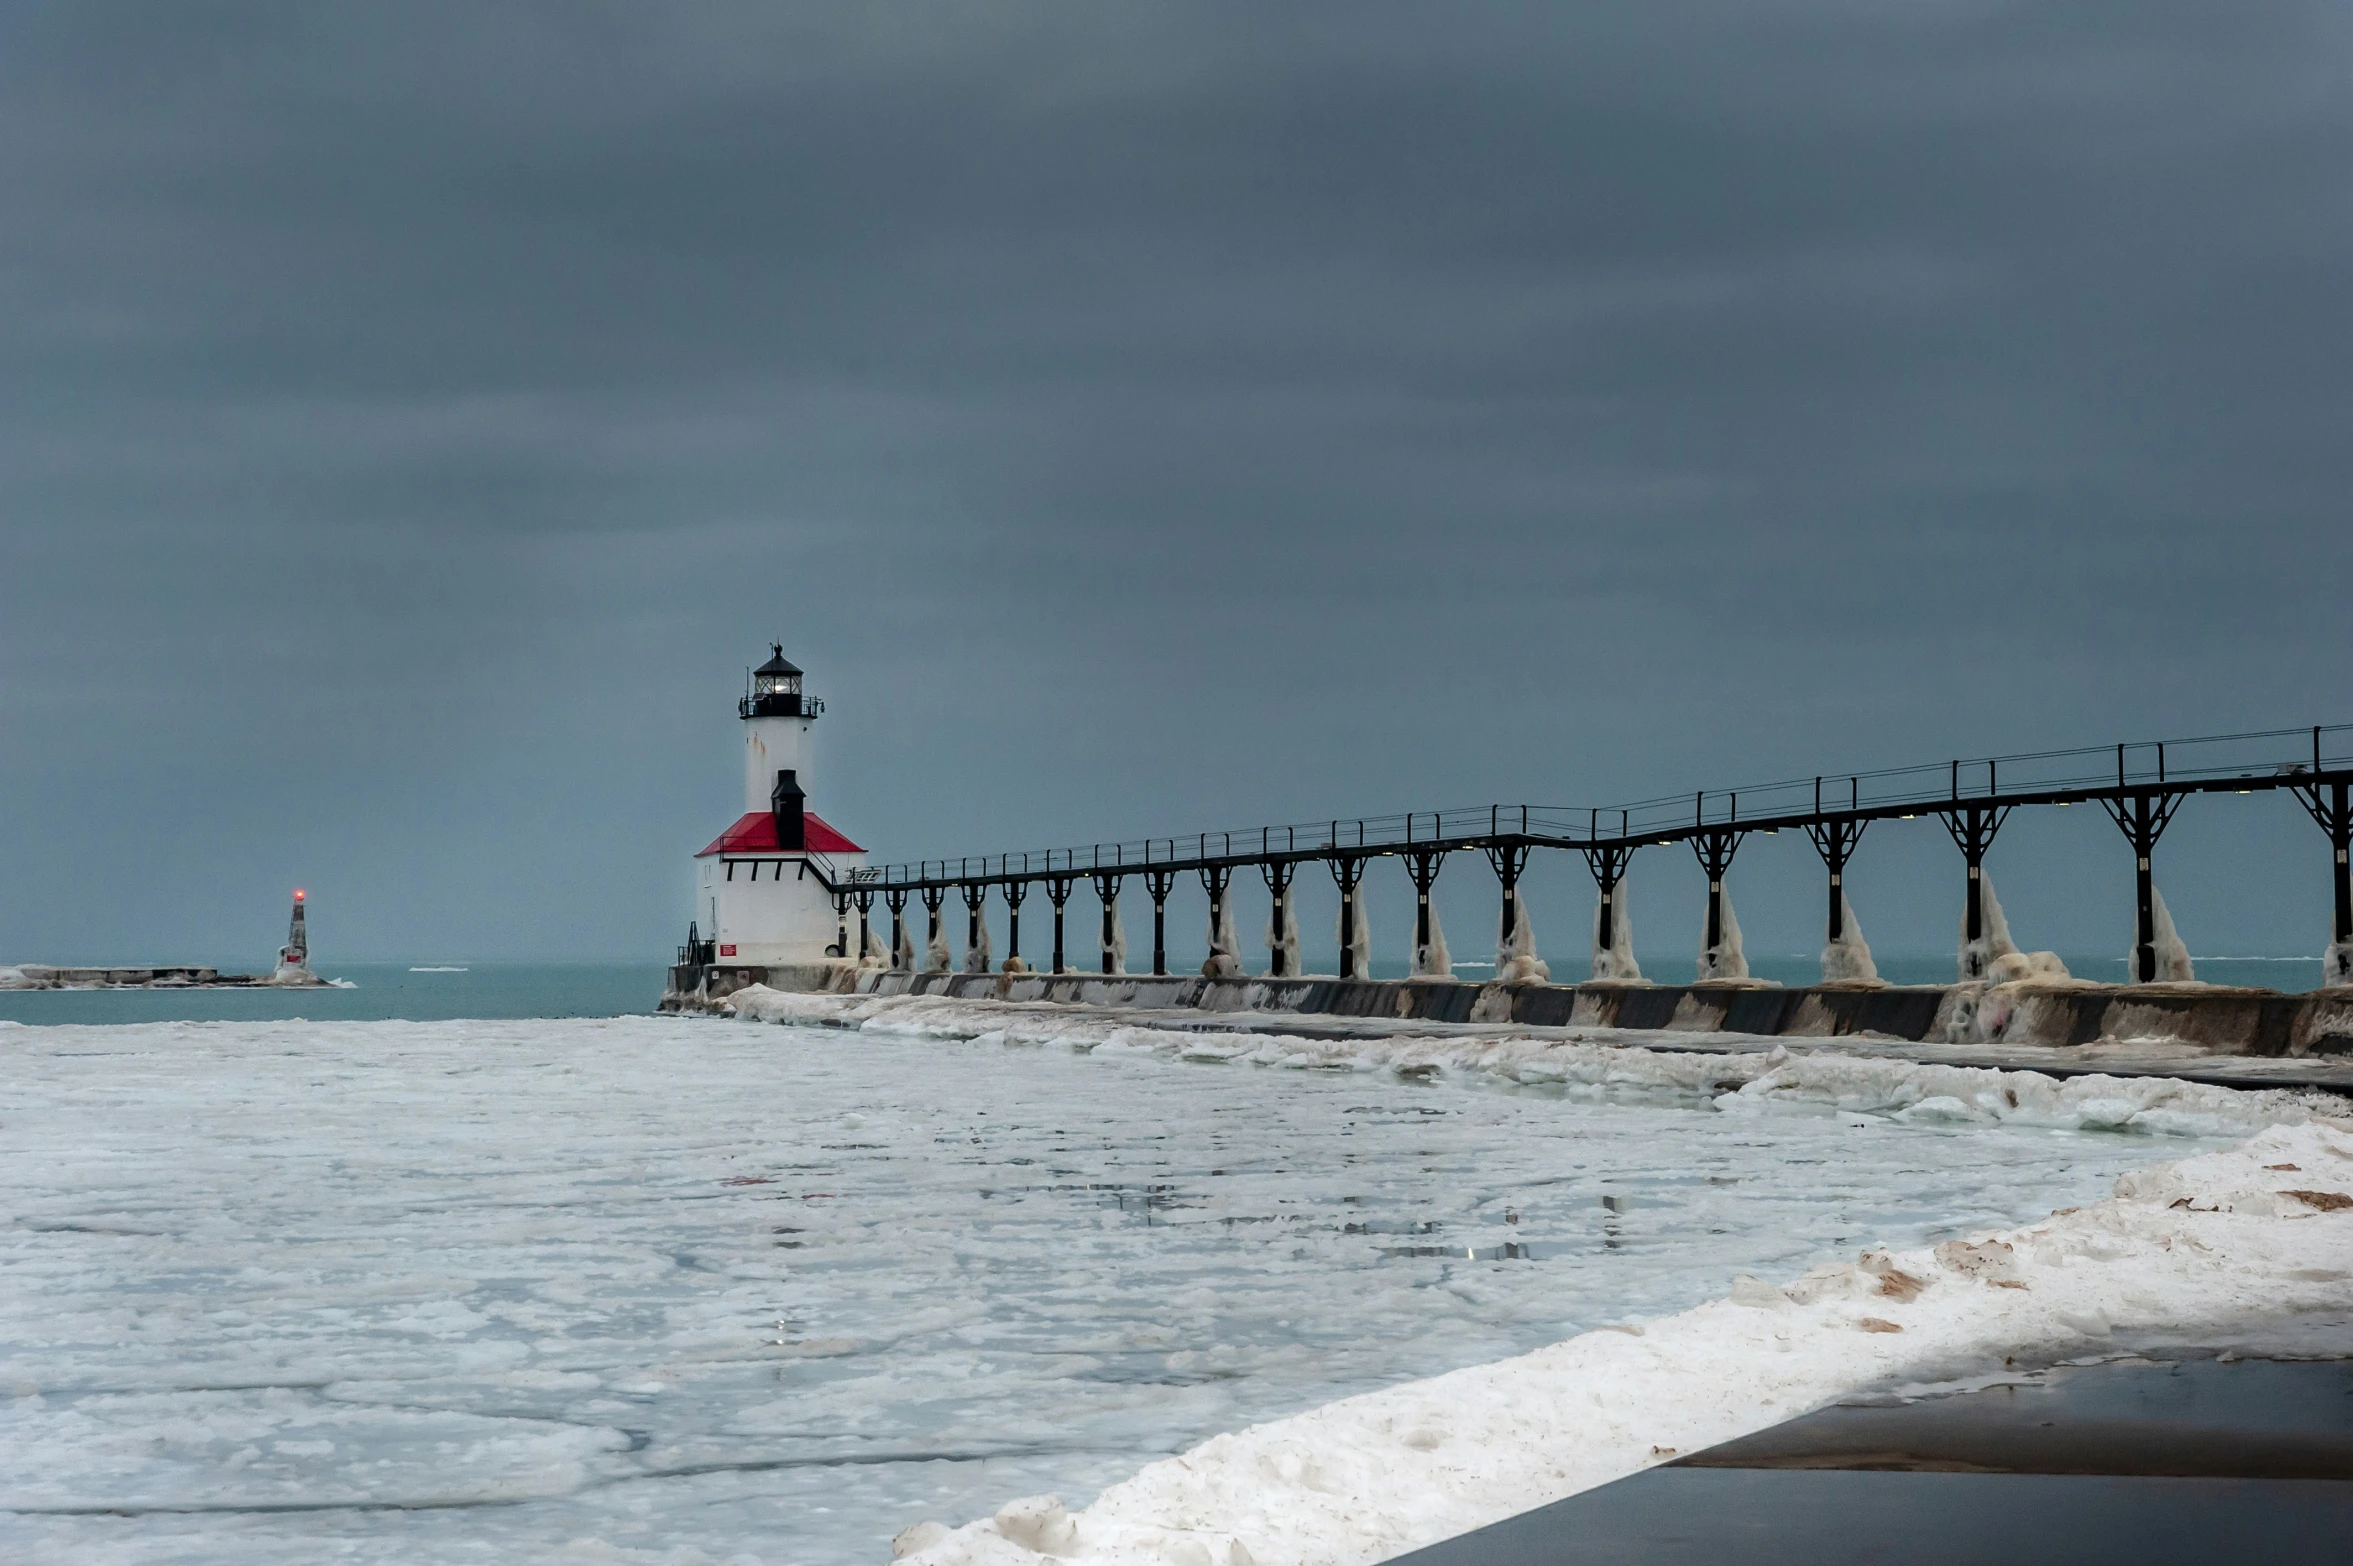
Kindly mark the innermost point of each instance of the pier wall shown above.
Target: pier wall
(2214, 1017)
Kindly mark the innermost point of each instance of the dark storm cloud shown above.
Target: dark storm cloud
(1136, 418)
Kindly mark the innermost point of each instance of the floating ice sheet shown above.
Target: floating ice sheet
(674, 1290)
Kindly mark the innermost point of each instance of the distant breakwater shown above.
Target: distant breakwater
(42, 976)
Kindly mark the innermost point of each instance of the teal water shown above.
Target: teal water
(379, 992)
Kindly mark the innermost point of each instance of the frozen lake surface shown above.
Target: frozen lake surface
(652, 1289)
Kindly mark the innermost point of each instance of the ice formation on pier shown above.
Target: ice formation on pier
(1116, 951)
(2336, 964)
(1282, 932)
(936, 956)
(1431, 960)
(1225, 942)
(1725, 959)
(1359, 940)
(1516, 961)
(2173, 954)
(1848, 957)
(976, 956)
(903, 948)
(1994, 940)
(1615, 961)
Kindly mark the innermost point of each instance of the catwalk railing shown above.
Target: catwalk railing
(2138, 784)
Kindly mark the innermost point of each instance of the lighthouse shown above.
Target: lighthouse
(772, 890)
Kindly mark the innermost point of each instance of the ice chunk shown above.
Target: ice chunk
(936, 956)
(1282, 933)
(976, 956)
(1516, 961)
(1225, 943)
(1360, 934)
(1617, 960)
(2013, 966)
(1848, 957)
(1994, 931)
(2173, 956)
(1430, 958)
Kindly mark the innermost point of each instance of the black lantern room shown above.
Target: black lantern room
(776, 689)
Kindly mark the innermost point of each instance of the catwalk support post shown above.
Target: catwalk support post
(1015, 891)
(1835, 839)
(1972, 828)
(841, 925)
(1508, 859)
(1218, 882)
(1347, 871)
(1608, 862)
(934, 936)
(1107, 891)
(1423, 865)
(2330, 803)
(1159, 883)
(1714, 850)
(975, 894)
(895, 899)
(1277, 874)
(1058, 892)
(2142, 818)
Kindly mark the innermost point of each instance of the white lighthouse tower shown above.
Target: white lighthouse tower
(768, 889)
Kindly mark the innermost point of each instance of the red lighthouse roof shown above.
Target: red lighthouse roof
(755, 833)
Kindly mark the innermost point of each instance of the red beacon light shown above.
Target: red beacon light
(298, 894)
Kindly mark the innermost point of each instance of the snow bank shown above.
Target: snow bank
(1617, 960)
(1516, 961)
(2249, 1250)
(1848, 957)
(1726, 959)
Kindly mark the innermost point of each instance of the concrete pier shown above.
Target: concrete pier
(2213, 1018)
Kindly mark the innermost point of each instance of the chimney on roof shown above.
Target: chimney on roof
(790, 806)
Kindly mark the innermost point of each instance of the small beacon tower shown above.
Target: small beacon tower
(766, 888)
(294, 956)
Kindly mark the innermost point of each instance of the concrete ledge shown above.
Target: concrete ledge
(2212, 1017)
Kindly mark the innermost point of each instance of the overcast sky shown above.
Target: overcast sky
(1146, 418)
